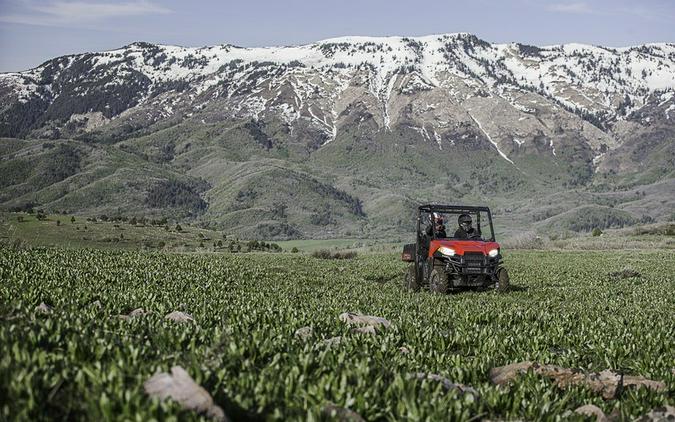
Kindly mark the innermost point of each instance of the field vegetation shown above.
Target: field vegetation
(264, 336)
(123, 232)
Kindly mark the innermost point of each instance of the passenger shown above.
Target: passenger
(437, 222)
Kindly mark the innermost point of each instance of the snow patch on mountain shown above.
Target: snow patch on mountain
(480, 126)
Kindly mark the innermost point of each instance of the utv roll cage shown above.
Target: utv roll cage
(429, 208)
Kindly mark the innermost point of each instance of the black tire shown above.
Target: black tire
(410, 281)
(438, 281)
(503, 282)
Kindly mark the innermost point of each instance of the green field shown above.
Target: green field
(58, 230)
(82, 362)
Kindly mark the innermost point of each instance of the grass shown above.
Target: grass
(122, 235)
(106, 235)
(311, 245)
(82, 362)
(102, 234)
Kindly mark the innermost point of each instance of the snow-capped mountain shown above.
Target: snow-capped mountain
(562, 113)
(317, 82)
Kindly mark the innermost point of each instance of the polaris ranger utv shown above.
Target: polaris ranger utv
(450, 252)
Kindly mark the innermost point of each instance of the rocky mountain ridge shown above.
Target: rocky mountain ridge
(390, 120)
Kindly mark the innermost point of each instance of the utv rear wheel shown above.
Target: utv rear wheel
(438, 281)
(503, 281)
(410, 281)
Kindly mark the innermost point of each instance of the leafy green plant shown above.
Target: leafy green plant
(75, 358)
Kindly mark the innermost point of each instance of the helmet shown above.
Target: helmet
(437, 218)
(464, 221)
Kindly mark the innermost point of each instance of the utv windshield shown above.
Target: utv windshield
(457, 224)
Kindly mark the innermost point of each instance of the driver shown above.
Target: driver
(465, 231)
(437, 221)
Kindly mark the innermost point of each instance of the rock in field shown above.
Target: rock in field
(138, 312)
(449, 385)
(180, 386)
(43, 308)
(179, 316)
(333, 341)
(609, 384)
(660, 414)
(592, 410)
(368, 329)
(353, 318)
(336, 413)
(504, 374)
(304, 333)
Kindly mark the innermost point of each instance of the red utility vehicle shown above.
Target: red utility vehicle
(450, 252)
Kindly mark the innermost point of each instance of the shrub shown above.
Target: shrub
(596, 232)
(326, 254)
(526, 240)
(58, 165)
(294, 250)
(344, 255)
(175, 194)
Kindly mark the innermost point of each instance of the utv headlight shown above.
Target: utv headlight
(446, 251)
(493, 253)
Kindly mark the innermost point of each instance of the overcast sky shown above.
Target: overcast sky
(32, 31)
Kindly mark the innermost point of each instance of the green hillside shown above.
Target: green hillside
(223, 179)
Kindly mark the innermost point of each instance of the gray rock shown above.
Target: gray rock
(592, 410)
(43, 308)
(449, 385)
(360, 319)
(608, 383)
(337, 413)
(659, 414)
(180, 387)
(138, 312)
(304, 333)
(333, 341)
(178, 316)
(368, 329)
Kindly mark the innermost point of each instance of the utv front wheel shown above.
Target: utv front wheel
(503, 281)
(410, 282)
(438, 281)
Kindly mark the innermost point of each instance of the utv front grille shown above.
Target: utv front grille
(474, 262)
(474, 259)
